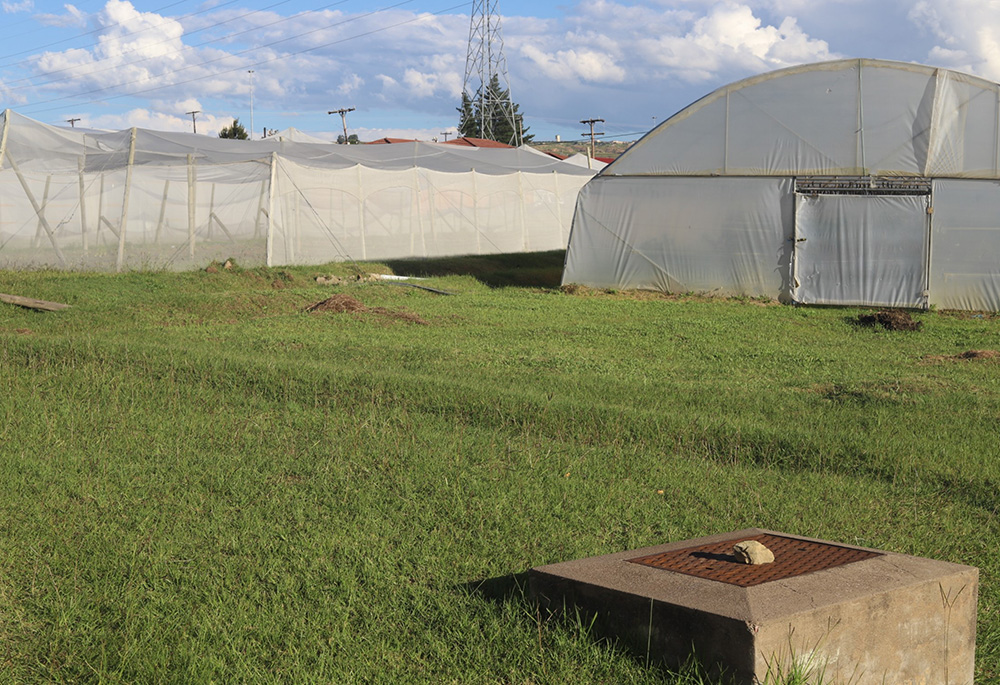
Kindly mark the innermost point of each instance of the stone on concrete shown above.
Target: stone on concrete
(752, 552)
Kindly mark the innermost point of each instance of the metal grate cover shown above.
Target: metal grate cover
(862, 185)
(792, 557)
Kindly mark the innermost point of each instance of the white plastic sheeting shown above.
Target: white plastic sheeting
(861, 250)
(707, 202)
(965, 245)
(729, 236)
(851, 117)
(72, 198)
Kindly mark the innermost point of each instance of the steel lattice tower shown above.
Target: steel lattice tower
(483, 62)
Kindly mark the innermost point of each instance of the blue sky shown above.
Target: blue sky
(114, 64)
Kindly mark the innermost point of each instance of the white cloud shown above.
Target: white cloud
(350, 84)
(72, 18)
(585, 65)
(14, 7)
(732, 39)
(967, 34)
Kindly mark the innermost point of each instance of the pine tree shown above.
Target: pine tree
(494, 123)
(235, 131)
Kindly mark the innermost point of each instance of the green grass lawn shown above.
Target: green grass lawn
(203, 482)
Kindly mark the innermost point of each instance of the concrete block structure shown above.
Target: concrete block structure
(856, 615)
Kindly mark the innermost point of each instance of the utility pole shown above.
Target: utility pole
(72, 122)
(250, 71)
(343, 118)
(194, 119)
(591, 134)
(446, 134)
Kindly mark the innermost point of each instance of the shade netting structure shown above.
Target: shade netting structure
(854, 182)
(143, 199)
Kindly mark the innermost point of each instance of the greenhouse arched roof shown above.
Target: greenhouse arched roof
(853, 117)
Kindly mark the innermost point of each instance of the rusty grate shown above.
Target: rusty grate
(792, 557)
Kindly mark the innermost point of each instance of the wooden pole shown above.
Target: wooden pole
(119, 261)
(38, 210)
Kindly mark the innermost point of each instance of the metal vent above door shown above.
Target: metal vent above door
(862, 185)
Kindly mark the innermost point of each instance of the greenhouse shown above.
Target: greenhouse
(140, 199)
(855, 182)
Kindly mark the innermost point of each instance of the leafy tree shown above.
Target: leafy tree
(351, 139)
(492, 116)
(235, 131)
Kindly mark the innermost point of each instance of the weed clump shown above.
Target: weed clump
(890, 320)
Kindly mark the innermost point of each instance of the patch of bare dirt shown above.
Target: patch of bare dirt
(967, 356)
(341, 303)
(23, 331)
(338, 304)
(890, 320)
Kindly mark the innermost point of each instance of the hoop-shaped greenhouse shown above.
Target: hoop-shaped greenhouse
(855, 182)
(135, 199)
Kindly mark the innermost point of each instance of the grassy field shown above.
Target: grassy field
(203, 482)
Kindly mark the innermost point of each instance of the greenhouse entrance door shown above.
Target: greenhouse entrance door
(862, 249)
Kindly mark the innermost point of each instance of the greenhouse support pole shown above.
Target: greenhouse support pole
(475, 213)
(361, 217)
(3, 137)
(261, 208)
(192, 200)
(559, 212)
(128, 189)
(996, 133)
(163, 212)
(524, 224)
(38, 210)
(100, 211)
(419, 214)
(81, 164)
(45, 202)
(296, 241)
(269, 256)
(211, 212)
(433, 200)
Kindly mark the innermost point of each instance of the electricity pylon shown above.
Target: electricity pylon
(485, 62)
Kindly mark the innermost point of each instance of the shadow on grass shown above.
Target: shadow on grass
(509, 588)
(582, 623)
(768, 451)
(518, 270)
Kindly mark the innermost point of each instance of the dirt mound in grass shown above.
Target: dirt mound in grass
(338, 304)
(968, 356)
(890, 320)
(341, 303)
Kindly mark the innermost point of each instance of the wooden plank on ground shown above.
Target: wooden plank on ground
(32, 303)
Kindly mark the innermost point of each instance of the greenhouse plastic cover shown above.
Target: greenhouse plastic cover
(75, 198)
(850, 117)
(707, 201)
